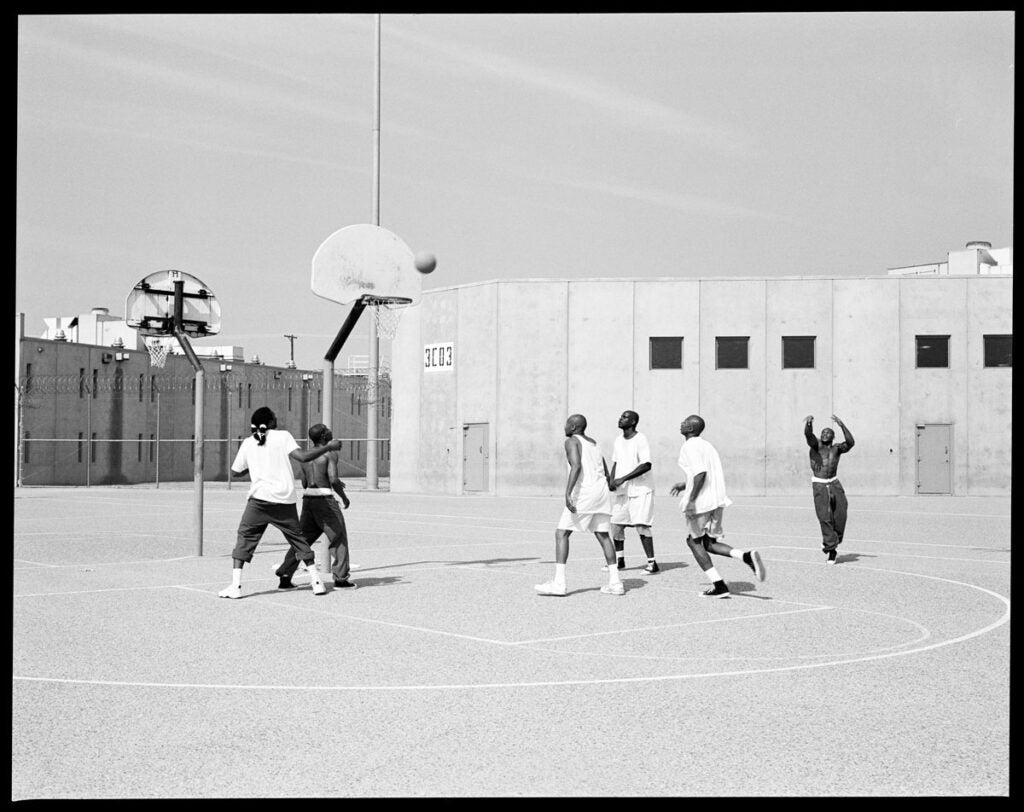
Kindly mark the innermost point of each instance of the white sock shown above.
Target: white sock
(560, 574)
(236, 577)
(314, 573)
(713, 575)
(736, 552)
(613, 575)
(620, 553)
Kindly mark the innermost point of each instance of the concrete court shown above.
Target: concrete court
(445, 675)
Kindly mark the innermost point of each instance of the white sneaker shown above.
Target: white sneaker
(230, 592)
(551, 588)
(614, 589)
(319, 588)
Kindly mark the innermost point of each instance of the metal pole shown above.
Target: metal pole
(88, 438)
(157, 438)
(374, 370)
(197, 476)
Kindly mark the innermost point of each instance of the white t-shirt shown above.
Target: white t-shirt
(626, 456)
(699, 456)
(591, 492)
(270, 467)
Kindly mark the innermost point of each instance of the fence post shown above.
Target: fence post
(158, 438)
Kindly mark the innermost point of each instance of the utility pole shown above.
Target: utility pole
(291, 352)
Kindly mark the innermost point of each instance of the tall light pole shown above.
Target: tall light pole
(373, 372)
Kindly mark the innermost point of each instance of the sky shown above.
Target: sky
(512, 146)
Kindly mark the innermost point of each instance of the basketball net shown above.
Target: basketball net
(158, 351)
(387, 316)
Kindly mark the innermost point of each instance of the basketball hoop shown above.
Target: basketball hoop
(158, 351)
(387, 314)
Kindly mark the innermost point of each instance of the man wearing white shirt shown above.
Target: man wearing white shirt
(266, 456)
(632, 488)
(704, 507)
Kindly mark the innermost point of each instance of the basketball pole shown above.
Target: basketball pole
(373, 373)
(186, 346)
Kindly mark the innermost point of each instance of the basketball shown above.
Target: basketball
(425, 262)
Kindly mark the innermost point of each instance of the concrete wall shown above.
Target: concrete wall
(530, 352)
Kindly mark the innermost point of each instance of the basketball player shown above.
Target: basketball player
(829, 496)
(588, 506)
(704, 507)
(267, 456)
(632, 491)
(320, 513)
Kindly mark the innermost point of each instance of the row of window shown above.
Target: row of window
(731, 352)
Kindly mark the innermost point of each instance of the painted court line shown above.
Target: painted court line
(550, 683)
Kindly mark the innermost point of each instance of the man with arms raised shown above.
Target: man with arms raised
(829, 496)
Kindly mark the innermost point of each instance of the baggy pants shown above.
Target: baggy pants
(321, 515)
(255, 518)
(830, 505)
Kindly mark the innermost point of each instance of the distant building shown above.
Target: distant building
(978, 258)
(92, 409)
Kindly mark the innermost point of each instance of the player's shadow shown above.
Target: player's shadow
(849, 558)
(487, 562)
(366, 583)
(745, 589)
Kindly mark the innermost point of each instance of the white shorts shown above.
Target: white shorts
(633, 510)
(706, 524)
(584, 522)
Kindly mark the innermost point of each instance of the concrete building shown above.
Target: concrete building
(919, 366)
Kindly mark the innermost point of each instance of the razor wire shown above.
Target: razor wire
(37, 385)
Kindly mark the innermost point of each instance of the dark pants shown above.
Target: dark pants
(321, 514)
(285, 517)
(830, 505)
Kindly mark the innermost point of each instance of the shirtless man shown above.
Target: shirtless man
(829, 496)
(588, 507)
(320, 513)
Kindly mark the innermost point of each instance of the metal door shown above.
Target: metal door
(474, 457)
(934, 458)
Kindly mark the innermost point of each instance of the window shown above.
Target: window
(289, 398)
(140, 448)
(27, 387)
(248, 395)
(81, 382)
(667, 352)
(92, 448)
(152, 388)
(239, 395)
(932, 351)
(26, 456)
(142, 384)
(95, 382)
(193, 391)
(152, 446)
(731, 352)
(798, 352)
(999, 351)
(80, 436)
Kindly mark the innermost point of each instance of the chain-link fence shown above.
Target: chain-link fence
(130, 428)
